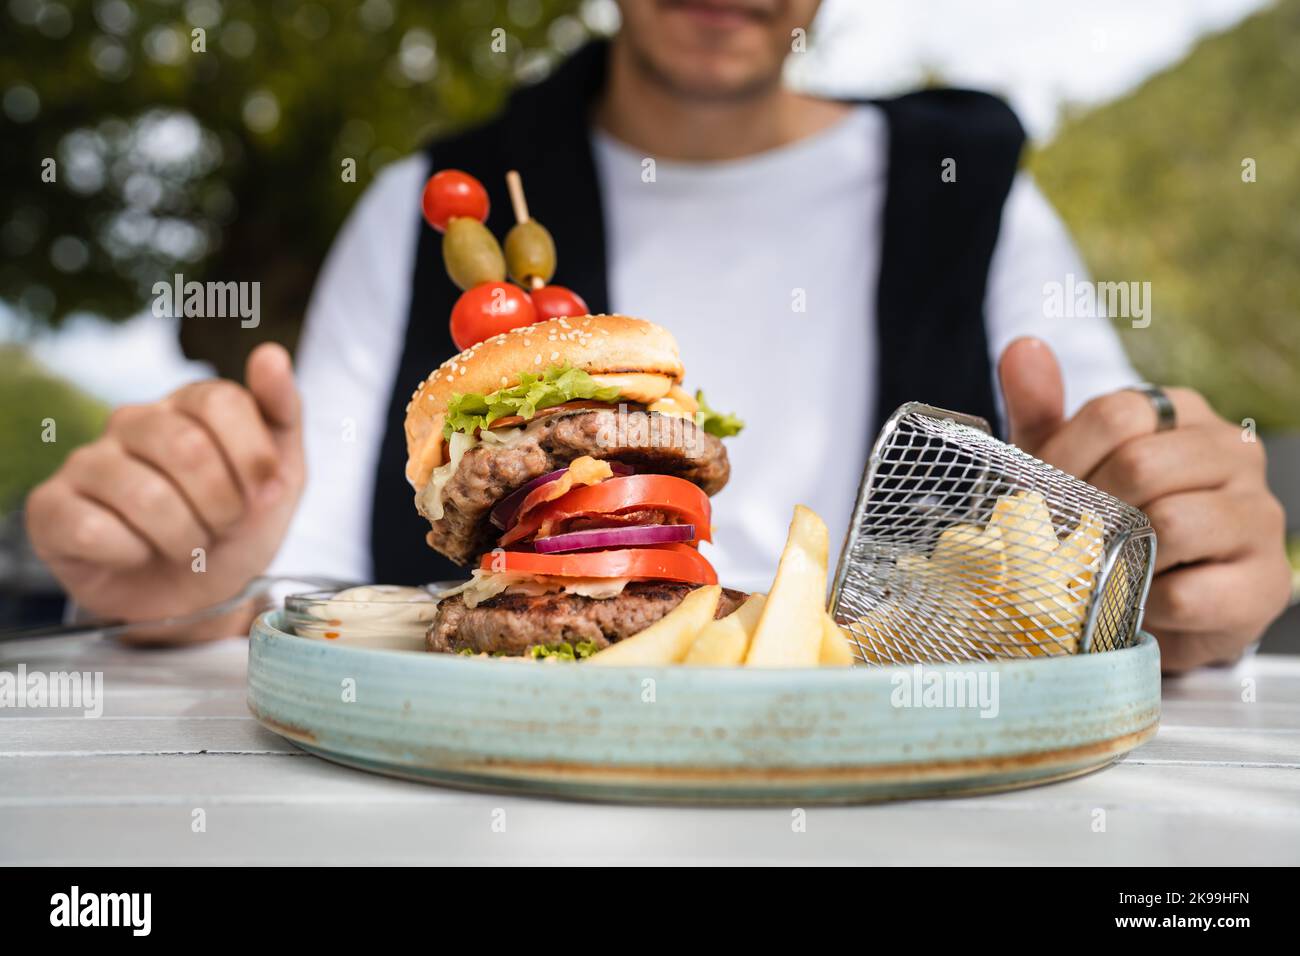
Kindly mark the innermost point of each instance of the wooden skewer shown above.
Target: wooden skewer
(515, 184)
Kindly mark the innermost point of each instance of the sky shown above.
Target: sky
(1040, 54)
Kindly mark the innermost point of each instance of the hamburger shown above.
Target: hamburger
(564, 464)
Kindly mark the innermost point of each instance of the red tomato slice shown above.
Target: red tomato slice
(669, 562)
(659, 492)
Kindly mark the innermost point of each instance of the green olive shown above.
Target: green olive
(471, 253)
(530, 253)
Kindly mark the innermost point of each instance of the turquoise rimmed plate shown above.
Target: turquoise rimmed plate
(684, 734)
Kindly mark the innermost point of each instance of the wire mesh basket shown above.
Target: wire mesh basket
(963, 548)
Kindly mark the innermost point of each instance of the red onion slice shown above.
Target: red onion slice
(503, 515)
(638, 536)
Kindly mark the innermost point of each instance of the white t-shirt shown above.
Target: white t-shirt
(764, 268)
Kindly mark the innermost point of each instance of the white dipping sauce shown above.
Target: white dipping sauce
(373, 615)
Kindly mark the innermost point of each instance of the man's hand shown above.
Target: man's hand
(214, 466)
(1221, 569)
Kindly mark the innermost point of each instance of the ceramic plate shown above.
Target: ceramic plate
(704, 734)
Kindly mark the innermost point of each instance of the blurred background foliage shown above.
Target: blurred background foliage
(227, 162)
(1152, 188)
(76, 419)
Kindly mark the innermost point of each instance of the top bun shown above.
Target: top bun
(597, 344)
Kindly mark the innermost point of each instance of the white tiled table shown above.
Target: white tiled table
(1219, 784)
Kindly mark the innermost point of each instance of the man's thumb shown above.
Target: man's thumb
(269, 376)
(1033, 392)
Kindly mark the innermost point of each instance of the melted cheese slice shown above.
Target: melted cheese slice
(676, 402)
(637, 386)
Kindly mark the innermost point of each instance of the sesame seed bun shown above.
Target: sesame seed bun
(638, 356)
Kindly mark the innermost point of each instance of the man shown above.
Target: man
(820, 262)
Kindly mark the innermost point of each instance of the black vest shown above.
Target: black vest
(938, 239)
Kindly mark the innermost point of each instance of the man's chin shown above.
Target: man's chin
(710, 75)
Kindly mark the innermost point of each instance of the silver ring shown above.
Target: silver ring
(1166, 415)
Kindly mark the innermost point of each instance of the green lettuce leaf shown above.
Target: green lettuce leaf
(722, 424)
(555, 386)
(563, 650)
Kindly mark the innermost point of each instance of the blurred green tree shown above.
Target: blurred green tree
(1192, 182)
(208, 137)
(33, 445)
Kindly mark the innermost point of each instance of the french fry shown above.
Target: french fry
(1046, 608)
(668, 639)
(725, 641)
(1011, 581)
(837, 651)
(1042, 633)
(789, 633)
(881, 635)
(913, 563)
(1085, 545)
(1026, 526)
(973, 557)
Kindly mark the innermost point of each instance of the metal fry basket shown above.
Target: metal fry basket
(963, 548)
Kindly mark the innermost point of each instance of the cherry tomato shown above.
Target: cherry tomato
(556, 302)
(450, 194)
(489, 309)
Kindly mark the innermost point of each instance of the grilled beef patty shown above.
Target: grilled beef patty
(649, 442)
(512, 623)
